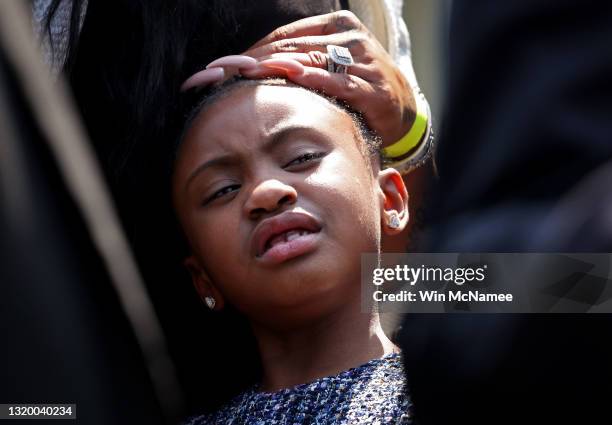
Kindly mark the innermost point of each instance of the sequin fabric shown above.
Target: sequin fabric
(373, 393)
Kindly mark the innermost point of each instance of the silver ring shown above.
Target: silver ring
(338, 59)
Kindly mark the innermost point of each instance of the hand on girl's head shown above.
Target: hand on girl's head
(374, 84)
(278, 198)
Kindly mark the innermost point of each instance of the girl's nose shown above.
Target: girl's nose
(268, 196)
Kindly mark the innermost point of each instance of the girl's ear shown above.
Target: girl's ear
(207, 291)
(393, 201)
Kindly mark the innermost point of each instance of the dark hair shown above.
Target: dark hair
(368, 142)
(156, 44)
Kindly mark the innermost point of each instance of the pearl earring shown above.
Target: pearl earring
(394, 221)
(210, 302)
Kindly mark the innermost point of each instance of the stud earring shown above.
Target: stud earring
(210, 302)
(394, 221)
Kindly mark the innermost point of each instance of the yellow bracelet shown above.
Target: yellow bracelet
(414, 135)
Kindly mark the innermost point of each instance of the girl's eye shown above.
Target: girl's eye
(307, 157)
(221, 192)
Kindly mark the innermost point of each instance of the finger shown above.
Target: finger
(329, 23)
(203, 78)
(317, 59)
(274, 67)
(288, 65)
(303, 44)
(266, 72)
(347, 87)
(352, 89)
(314, 58)
(237, 61)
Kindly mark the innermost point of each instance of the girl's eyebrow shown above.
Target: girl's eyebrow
(220, 161)
(278, 137)
(283, 135)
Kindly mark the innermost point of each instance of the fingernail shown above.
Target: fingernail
(203, 78)
(238, 61)
(288, 65)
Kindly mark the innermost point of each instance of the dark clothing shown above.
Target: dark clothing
(371, 393)
(528, 116)
(526, 133)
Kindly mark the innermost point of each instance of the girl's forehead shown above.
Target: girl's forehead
(267, 103)
(260, 112)
(289, 96)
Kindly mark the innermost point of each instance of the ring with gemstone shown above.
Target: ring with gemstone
(338, 59)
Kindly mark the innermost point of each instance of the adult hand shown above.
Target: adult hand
(373, 85)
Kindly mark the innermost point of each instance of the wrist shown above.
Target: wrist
(415, 134)
(399, 122)
(416, 147)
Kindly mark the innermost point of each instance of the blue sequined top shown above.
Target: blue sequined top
(373, 393)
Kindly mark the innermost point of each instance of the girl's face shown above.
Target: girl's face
(277, 203)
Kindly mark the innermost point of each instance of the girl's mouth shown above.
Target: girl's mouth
(285, 236)
(289, 245)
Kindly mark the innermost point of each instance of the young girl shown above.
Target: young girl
(279, 190)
